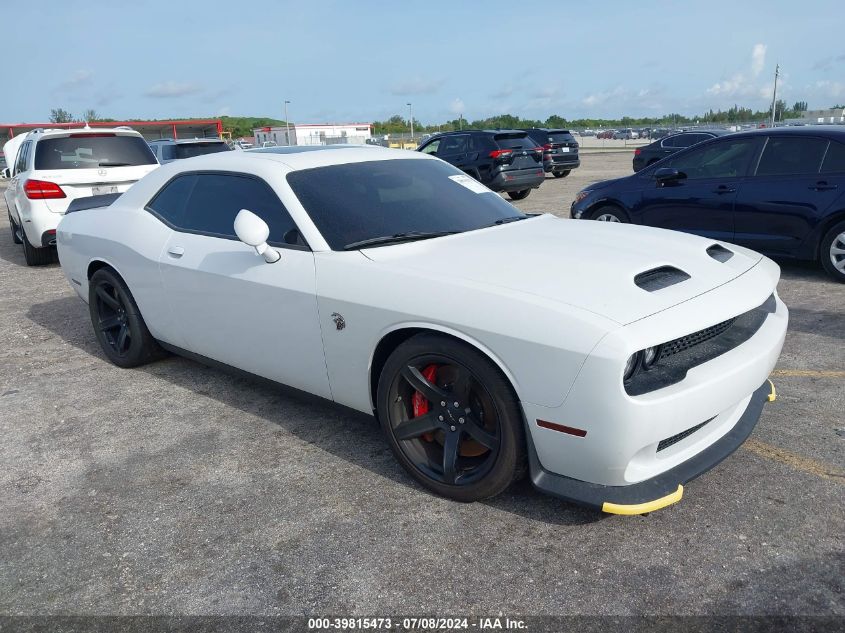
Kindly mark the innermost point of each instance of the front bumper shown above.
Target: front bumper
(661, 490)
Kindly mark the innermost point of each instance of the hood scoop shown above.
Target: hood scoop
(659, 278)
(719, 253)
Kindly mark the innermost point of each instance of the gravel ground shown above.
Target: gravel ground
(179, 489)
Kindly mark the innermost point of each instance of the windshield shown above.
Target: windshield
(361, 201)
(90, 151)
(189, 150)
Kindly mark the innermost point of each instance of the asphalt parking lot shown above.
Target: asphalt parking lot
(179, 489)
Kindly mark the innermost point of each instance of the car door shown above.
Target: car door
(230, 305)
(778, 207)
(14, 189)
(454, 149)
(702, 201)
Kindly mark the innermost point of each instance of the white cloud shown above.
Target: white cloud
(758, 58)
(831, 89)
(77, 80)
(457, 106)
(416, 86)
(173, 89)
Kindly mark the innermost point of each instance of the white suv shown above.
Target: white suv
(51, 168)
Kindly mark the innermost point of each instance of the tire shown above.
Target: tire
(609, 213)
(832, 252)
(468, 452)
(118, 324)
(561, 174)
(36, 256)
(519, 195)
(14, 229)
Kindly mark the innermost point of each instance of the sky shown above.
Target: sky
(365, 60)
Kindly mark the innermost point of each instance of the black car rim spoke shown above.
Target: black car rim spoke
(112, 319)
(455, 436)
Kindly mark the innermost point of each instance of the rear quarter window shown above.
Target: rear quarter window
(91, 151)
(793, 155)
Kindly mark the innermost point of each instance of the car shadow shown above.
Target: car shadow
(350, 435)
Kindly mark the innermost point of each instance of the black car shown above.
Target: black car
(668, 145)
(560, 150)
(779, 191)
(503, 160)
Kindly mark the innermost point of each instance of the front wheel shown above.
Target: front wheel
(609, 214)
(118, 324)
(833, 252)
(519, 195)
(562, 174)
(451, 418)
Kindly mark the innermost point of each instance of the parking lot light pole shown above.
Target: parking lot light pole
(287, 124)
(775, 94)
(411, 114)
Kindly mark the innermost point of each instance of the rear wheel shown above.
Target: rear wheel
(562, 174)
(451, 418)
(35, 256)
(519, 195)
(118, 324)
(16, 238)
(833, 252)
(609, 213)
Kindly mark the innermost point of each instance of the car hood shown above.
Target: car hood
(593, 266)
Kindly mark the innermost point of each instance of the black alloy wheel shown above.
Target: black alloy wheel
(118, 325)
(451, 418)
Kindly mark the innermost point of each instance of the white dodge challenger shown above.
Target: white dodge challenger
(613, 362)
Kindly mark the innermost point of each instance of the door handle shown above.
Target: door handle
(822, 186)
(723, 189)
(176, 251)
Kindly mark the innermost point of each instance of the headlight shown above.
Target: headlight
(581, 195)
(631, 366)
(649, 356)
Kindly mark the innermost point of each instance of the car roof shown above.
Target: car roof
(302, 157)
(835, 131)
(120, 130)
(714, 132)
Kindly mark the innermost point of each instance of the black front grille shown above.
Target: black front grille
(680, 355)
(696, 338)
(670, 441)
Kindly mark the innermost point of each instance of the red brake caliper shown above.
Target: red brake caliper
(419, 401)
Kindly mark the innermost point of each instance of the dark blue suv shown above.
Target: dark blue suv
(779, 191)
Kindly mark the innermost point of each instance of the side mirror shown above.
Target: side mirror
(253, 231)
(668, 174)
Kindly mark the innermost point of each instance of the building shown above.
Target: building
(815, 117)
(315, 134)
(150, 130)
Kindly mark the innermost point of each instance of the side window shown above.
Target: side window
(791, 155)
(171, 200)
(216, 199)
(670, 142)
(431, 148)
(168, 152)
(834, 161)
(454, 145)
(23, 154)
(725, 159)
(154, 149)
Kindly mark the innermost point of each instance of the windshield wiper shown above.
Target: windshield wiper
(512, 218)
(396, 238)
(108, 163)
